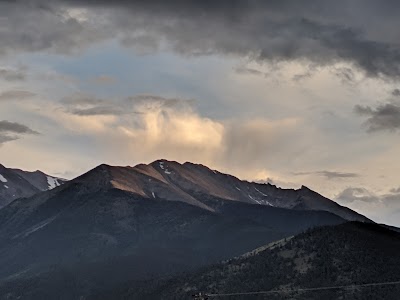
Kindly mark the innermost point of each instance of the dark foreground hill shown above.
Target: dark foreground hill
(115, 224)
(348, 254)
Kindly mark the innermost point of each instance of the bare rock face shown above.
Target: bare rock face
(15, 183)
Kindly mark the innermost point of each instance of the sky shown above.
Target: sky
(288, 92)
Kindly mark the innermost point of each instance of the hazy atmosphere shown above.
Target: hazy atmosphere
(290, 92)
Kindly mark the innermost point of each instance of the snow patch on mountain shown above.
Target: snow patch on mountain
(255, 200)
(53, 182)
(2, 178)
(261, 192)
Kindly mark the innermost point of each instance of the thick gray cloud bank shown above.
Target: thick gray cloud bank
(321, 32)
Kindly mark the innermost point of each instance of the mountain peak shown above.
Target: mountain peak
(200, 186)
(17, 183)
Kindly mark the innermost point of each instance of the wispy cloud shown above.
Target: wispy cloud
(10, 131)
(16, 95)
(88, 105)
(13, 127)
(329, 174)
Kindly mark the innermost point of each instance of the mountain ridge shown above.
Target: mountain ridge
(17, 183)
(347, 254)
(190, 183)
(134, 222)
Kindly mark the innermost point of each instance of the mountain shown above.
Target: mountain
(343, 255)
(16, 183)
(195, 183)
(114, 224)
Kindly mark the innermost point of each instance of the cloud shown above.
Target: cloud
(98, 111)
(88, 105)
(160, 127)
(395, 190)
(250, 143)
(345, 74)
(7, 138)
(33, 26)
(103, 80)
(6, 126)
(396, 92)
(12, 75)
(384, 117)
(251, 71)
(321, 32)
(350, 194)
(380, 207)
(10, 131)
(16, 95)
(358, 194)
(329, 174)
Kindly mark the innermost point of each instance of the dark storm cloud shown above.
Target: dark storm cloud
(330, 174)
(321, 32)
(384, 117)
(35, 25)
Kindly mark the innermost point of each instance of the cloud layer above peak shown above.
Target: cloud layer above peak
(321, 32)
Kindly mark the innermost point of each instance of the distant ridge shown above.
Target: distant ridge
(16, 183)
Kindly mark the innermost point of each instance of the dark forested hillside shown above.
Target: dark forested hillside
(347, 254)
